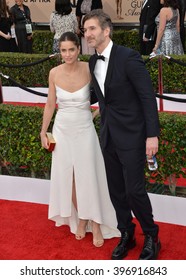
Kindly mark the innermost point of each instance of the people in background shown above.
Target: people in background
(79, 194)
(83, 7)
(129, 131)
(147, 29)
(7, 39)
(62, 20)
(168, 39)
(23, 26)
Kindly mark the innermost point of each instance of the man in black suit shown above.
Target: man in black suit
(147, 29)
(182, 8)
(129, 131)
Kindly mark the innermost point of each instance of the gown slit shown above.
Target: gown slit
(74, 197)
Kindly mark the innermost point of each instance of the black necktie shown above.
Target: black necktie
(100, 57)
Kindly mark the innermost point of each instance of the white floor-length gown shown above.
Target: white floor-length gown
(77, 150)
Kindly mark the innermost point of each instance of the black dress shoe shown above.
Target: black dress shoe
(151, 248)
(126, 243)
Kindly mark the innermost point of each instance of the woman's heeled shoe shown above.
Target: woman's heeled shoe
(98, 243)
(79, 235)
(98, 240)
(81, 230)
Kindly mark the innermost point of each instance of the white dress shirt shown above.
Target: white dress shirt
(101, 66)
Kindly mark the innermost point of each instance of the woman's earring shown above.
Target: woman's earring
(78, 59)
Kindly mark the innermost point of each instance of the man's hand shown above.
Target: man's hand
(145, 39)
(8, 36)
(151, 146)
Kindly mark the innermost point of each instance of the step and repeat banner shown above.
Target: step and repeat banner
(121, 11)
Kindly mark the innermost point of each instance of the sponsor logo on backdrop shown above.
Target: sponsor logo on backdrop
(135, 8)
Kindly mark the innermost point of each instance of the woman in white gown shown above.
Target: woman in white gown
(79, 194)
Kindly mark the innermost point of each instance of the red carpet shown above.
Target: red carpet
(27, 234)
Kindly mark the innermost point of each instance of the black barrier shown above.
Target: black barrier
(176, 61)
(166, 56)
(45, 95)
(171, 98)
(160, 78)
(29, 64)
(12, 81)
(23, 87)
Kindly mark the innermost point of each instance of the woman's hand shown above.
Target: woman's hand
(95, 113)
(155, 48)
(44, 140)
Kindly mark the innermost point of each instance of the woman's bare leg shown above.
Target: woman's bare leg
(81, 229)
(74, 199)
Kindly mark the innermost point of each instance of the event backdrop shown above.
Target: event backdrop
(128, 10)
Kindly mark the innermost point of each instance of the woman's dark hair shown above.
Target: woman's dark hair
(171, 3)
(63, 7)
(4, 9)
(70, 36)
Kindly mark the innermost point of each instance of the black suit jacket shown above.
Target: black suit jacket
(128, 109)
(147, 17)
(182, 9)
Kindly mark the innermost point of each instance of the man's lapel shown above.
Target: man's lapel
(144, 3)
(110, 66)
(108, 75)
(92, 64)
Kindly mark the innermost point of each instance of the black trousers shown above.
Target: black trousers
(126, 182)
